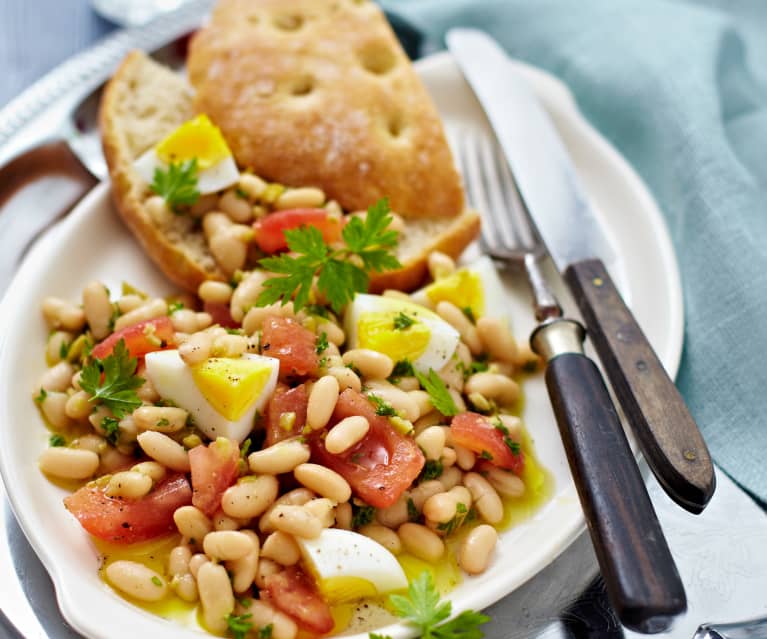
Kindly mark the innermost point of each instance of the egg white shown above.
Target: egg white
(173, 381)
(346, 555)
(442, 342)
(220, 176)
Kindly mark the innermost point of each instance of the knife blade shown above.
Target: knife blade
(548, 183)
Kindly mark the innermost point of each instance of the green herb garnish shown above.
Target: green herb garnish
(175, 306)
(469, 314)
(177, 185)
(432, 469)
(412, 510)
(440, 397)
(423, 609)
(117, 389)
(239, 625)
(156, 581)
(382, 408)
(340, 272)
(362, 515)
(402, 322)
(403, 368)
(111, 427)
(40, 397)
(322, 342)
(56, 440)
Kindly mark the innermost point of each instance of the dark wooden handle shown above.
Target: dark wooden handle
(641, 578)
(668, 435)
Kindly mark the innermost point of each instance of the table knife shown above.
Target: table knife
(547, 181)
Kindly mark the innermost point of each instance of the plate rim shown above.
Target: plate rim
(425, 65)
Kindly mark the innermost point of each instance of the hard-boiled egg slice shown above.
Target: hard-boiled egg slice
(476, 286)
(199, 140)
(222, 394)
(350, 566)
(400, 329)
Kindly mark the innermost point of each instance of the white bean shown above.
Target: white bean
(129, 484)
(296, 520)
(215, 292)
(226, 544)
(137, 580)
(371, 364)
(68, 463)
(151, 310)
(216, 596)
(163, 419)
(432, 442)
(58, 377)
(346, 433)
(493, 386)
(421, 542)
(384, 536)
(307, 197)
(323, 481)
(98, 309)
(322, 402)
(346, 377)
(163, 449)
(486, 500)
(455, 317)
(192, 523)
(62, 314)
(250, 497)
(279, 458)
(440, 265)
(282, 548)
(245, 568)
(497, 339)
(474, 553)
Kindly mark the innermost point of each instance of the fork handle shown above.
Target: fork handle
(667, 433)
(641, 578)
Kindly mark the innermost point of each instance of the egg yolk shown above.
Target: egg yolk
(378, 331)
(231, 385)
(198, 138)
(463, 288)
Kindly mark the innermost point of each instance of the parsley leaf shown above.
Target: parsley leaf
(175, 306)
(322, 342)
(384, 409)
(265, 632)
(239, 625)
(177, 185)
(56, 440)
(340, 272)
(403, 368)
(412, 510)
(362, 515)
(469, 313)
(117, 389)
(422, 608)
(432, 469)
(111, 427)
(40, 397)
(402, 322)
(440, 397)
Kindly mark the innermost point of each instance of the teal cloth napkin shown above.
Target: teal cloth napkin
(680, 88)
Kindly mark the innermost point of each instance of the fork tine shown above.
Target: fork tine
(504, 229)
(472, 175)
(518, 216)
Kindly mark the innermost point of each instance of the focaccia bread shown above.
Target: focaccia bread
(319, 92)
(143, 103)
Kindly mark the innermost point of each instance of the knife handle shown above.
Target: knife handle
(668, 435)
(641, 578)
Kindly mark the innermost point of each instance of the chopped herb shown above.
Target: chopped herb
(375, 635)
(513, 446)
(265, 632)
(403, 368)
(175, 306)
(432, 469)
(245, 448)
(382, 408)
(56, 440)
(177, 185)
(241, 194)
(316, 309)
(402, 322)
(156, 581)
(40, 398)
(234, 331)
(440, 397)
(362, 515)
(486, 454)
(245, 602)
(354, 369)
(239, 625)
(449, 527)
(64, 350)
(412, 510)
(162, 422)
(478, 366)
(423, 609)
(111, 427)
(338, 276)
(114, 316)
(322, 342)
(469, 313)
(112, 381)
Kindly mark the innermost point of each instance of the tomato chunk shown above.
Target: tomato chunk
(285, 401)
(214, 467)
(292, 344)
(270, 230)
(127, 521)
(140, 339)
(293, 592)
(478, 434)
(220, 313)
(382, 465)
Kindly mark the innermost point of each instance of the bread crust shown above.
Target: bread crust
(319, 92)
(183, 258)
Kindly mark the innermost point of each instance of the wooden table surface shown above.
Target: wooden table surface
(36, 35)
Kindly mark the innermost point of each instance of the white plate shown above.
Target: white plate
(93, 244)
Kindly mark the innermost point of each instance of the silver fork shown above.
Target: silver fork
(642, 580)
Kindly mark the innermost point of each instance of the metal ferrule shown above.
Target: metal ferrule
(556, 337)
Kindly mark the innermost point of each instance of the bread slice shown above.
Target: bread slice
(144, 102)
(320, 92)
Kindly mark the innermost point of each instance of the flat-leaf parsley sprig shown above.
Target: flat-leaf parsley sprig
(341, 272)
(112, 381)
(177, 185)
(423, 609)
